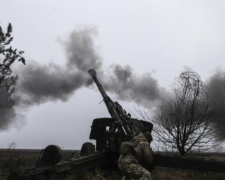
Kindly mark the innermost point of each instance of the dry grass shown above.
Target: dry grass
(159, 173)
(8, 163)
(162, 173)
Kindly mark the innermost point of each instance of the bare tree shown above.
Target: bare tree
(182, 123)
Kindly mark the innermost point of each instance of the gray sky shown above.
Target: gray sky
(156, 39)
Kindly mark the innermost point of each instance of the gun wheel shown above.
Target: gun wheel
(50, 155)
(87, 149)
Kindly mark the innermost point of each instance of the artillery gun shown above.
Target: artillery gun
(109, 133)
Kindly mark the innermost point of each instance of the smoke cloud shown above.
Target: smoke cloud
(217, 97)
(7, 116)
(81, 51)
(39, 83)
(143, 90)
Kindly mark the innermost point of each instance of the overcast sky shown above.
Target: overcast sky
(154, 39)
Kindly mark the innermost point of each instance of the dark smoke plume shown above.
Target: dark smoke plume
(7, 116)
(81, 52)
(217, 96)
(143, 90)
(39, 83)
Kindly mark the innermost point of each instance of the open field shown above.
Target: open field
(11, 159)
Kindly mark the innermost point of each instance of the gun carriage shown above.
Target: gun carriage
(110, 132)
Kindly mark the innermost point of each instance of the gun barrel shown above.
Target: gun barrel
(116, 111)
(93, 74)
(108, 102)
